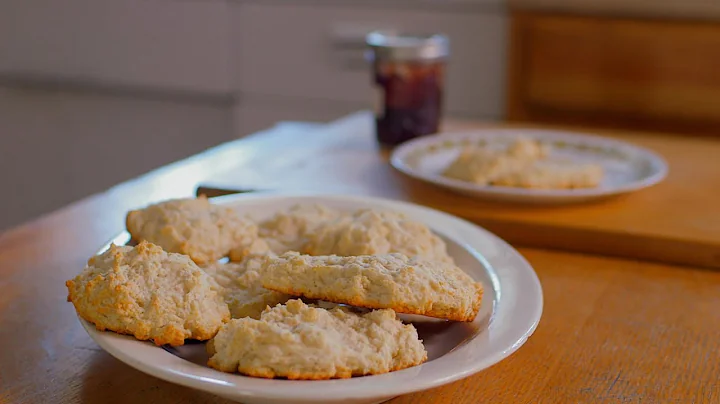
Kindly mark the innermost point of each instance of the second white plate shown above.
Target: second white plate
(627, 167)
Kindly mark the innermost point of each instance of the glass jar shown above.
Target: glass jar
(408, 74)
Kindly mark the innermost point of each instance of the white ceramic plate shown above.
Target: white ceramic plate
(627, 168)
(511, 309)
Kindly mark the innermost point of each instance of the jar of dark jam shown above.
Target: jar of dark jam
(408, 73)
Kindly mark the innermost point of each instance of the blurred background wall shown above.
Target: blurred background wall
(94, 92)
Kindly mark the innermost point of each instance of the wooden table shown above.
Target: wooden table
(613, 330)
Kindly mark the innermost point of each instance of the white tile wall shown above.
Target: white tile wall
(318, 53)
(176, 44)
(254, 113)
(169, 78)
(60, 146)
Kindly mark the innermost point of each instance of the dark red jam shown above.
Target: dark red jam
(413, 97)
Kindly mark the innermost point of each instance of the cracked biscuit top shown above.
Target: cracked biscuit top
(148, 293)
(195, 227)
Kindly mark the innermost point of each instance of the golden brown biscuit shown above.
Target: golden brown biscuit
(287, 230)
(552, 175)
(373, 232)
(241, 286)
(391, 281)
(150, 294)
(297, 341)
(195, 227)
(525, 163)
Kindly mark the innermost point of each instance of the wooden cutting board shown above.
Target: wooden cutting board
(677, 221)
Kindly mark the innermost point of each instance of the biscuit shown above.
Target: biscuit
(552, 175)
(150, 294)
(524, 163)
(297, 341)
(370, 232)
(256, 247)
(194, 227)
(391, 281)
(242, 289)
(530, 149)
(481, 166)
(288, 230)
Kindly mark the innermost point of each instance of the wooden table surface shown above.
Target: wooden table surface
(613, 330)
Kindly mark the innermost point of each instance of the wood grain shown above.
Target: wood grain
(613, 330)
(615, 72)
(677, 221)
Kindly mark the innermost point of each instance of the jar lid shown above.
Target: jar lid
(400, 46)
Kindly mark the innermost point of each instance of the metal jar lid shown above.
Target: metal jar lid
(408, 47)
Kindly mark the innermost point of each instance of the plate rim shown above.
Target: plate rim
(659, 164)
(191, 374)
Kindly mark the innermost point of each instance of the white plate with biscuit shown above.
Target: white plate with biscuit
(510, 298)
(530, 165)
